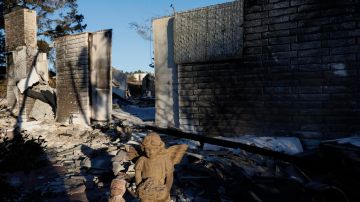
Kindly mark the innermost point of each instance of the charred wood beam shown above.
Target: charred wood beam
(35, 95)
(39, 96)
(230, 144)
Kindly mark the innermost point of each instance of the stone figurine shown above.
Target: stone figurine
(154, 171)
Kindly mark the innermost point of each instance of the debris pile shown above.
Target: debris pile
(79, 163)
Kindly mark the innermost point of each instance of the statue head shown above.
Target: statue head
(118, 187)
(153, 145)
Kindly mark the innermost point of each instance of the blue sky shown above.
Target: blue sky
(130, 52)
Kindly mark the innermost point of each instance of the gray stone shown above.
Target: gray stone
(42, 111)
(121, 156)
(117, 167)
(86, 163)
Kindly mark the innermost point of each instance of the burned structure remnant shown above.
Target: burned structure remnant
(72, 82)
(26, 66)
(255, 67)
(83, 69)
(101, 75)
(21, 48)
(167, 104)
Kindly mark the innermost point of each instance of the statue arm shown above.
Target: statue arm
(138, 177)
(169, 181)
(138, 170)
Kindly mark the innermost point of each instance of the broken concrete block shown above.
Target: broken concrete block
(42, 111)
(42, 67)
(47, 92)
(29, 81)
(39, 72)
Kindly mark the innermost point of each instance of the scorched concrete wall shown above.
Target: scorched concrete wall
(101, 75)
(166, 85)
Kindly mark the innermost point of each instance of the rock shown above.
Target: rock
(99, 163)
(77, 190)
(3, 103)
(79, 197)
(117, 167)
(86, 163)
(112, 148)
(121, 156)
(42, 111)
(78, 177)
(132, 152)
(100, 184)
(131, 170)
(65, 152)
(113, 153)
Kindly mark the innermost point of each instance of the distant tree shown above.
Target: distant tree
(55, 18)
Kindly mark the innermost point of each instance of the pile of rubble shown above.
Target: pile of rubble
(78, 163)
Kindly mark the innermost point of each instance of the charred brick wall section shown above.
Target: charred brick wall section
(299, 74)
(72, 83)
(209, 34)
(21, 31)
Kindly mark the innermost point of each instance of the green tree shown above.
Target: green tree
(55, 18)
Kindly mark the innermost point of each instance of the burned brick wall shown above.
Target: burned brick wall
(298, 73)
(84, 77)
(303, 60)
(21, 29)
(72, 80)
